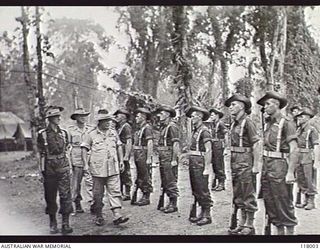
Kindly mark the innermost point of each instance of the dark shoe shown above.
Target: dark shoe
(145, 199)
(299, 205)
(310, 203)
(99, 221)
(195, 219)
(220, 187)
(170, 209)
(54, 229)
(126, 198)
(214, 184)
(235, 231)
(92, 210)
(204, 221)
(120, 220)
(66, 229)
(247, 231)
(79, 209)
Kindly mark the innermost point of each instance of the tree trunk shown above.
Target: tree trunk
(282, 50)
(42, 120)
(274, 54)
(30, 86)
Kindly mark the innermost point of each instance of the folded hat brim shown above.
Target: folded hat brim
(206, 113)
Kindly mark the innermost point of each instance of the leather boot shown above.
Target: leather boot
(310, 203)
(145, 200)
(305, 201)
(78, 209)
(220, 186)
(118, 218)
(172, 207)
(66, 229)
(214, 184)
(248, 228)
(290, 230)
(126, 197)
(280, 230)
(53, 224)
(196, 219)
(242, 222)
(206, 217)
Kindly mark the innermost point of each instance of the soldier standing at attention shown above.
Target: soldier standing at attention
(105, 164)
(308, 143)
(244, 162)
(125, 134)
(76, 133)
(280, 157)
(143, 151)
(55, 169)
(168, 155)
(218, 132)
(200, 164)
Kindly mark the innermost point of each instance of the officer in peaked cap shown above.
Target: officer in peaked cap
(280, 157)
(200, 163)
(244, 161)
(53, 142)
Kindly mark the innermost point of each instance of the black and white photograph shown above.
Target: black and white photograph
(155, 120)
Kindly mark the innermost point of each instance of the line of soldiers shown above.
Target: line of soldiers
(101, 156)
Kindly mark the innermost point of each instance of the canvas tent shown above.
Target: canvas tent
(15, 134)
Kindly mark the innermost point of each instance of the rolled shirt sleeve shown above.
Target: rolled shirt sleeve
(148, 133)
(205, 136)
(86, 142)
(174, 134)
(252, 132)
(290, 130)
(314, 137)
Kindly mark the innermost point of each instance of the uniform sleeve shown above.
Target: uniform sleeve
(87, 141)
(252, 132)
(314, 137)
(40, 144)
(174, 134)
(119, 143)
(290, 131)
(205, 136)
(67, 135)
(223, 128)
(127, 130)
(148, 133)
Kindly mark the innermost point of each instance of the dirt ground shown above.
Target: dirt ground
(22, 205)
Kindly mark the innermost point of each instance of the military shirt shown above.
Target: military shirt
(172, 134)
(103, 160)
(302, 132)
(57, 141)
(125, 132)
(205, 136)
(142, 139)
(76, 137)
(271, 132)
(218, 130)
(250, 135)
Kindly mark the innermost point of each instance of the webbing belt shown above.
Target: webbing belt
(240, 149)
(274, 154)
(55, 157)
(195, 152)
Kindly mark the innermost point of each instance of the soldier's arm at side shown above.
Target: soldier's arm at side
(257, 157)
(175, 145)
(207, 158)
(316, 148)
(85, 147)
(291, 138)
(128, 147)
(149, 151)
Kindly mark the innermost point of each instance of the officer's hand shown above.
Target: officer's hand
(121, 165)
(174, 163)
(290, 178)
(86, 167)
(149, 161)
(208, 170)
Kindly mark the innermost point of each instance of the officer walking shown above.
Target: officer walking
(106, 162)
(244, 162)
(76, 133)
(125, 134)
(143, 151)
(55, 169)
(308, 143)
(168, 148)
(218, 132)
(280, 156)
(200, 164)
